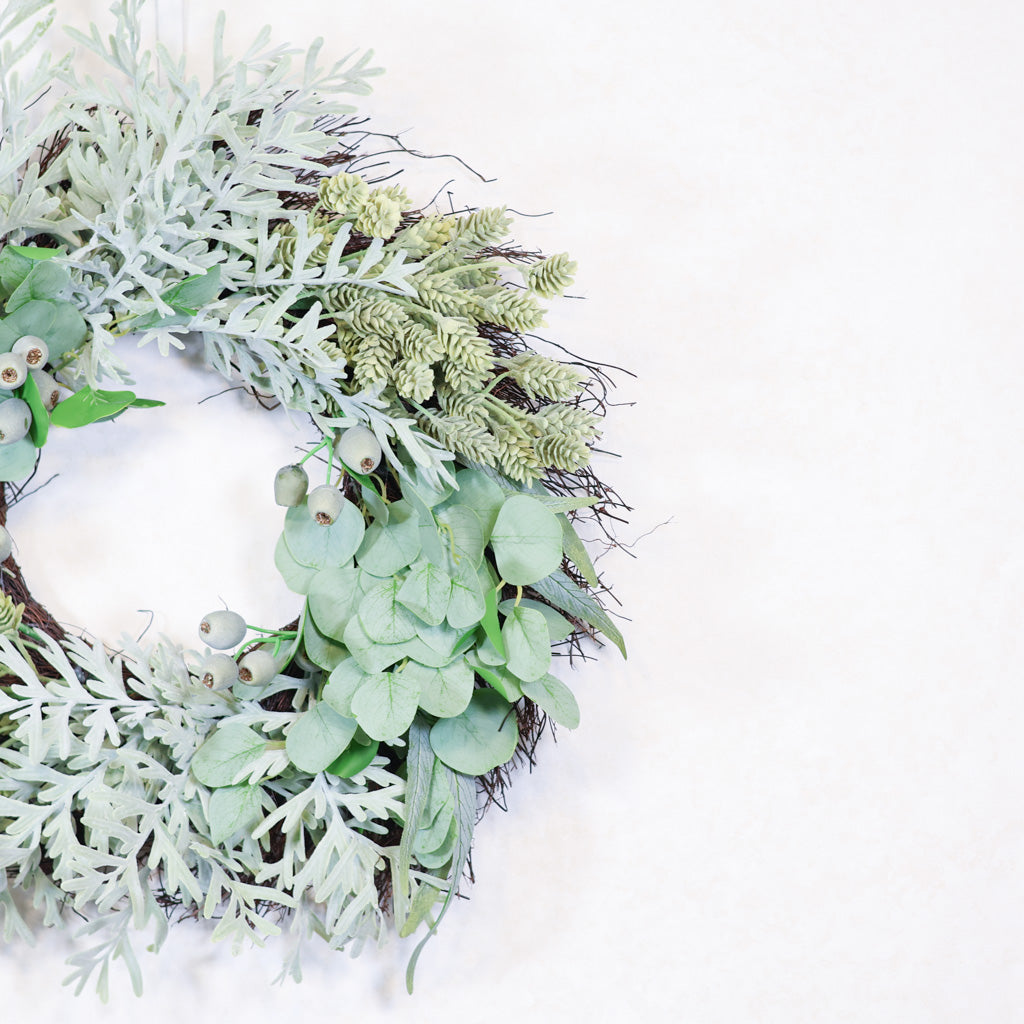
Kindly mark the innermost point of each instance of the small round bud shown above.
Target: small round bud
(15, 419)
(49, 389)
(218, 671)
(359, 449)
(33, 350)
(13, 371)
(257, 668)
(290, 486)
(325, 504)
(6, 544)
(222, 629)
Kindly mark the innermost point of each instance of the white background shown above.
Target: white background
(800, 799)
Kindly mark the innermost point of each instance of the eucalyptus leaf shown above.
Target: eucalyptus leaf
(317, 738)
(479, 492)
(323, 547)
(36, 317)
(527, 541)
(226, 754)
(439, 855)
(555, 699)
(17, 460)
(387, 549)
(371, 655)
(444, 691)
(45, 280)
(320, 649)
(482, 737)
(297, 577)
(66, 332)
(563, 593)
(333, 596)
(384, 618)
(466, 604)
(342, 684)
(557, 503)
(462, 537)
(426, 592)
(385, 704)
(234, 809)
(14, 268)
(490, 622)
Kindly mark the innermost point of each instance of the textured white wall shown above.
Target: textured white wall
(800, 801)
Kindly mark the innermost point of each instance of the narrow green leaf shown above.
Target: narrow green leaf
(195, 291)
(497, 676)
(357, 758)
(34, 252)
(89, 405)
(556, 503)
(40, 417)
(490, 622)
(576, 551)
(419, 770)
(563, 593)
(559, 627)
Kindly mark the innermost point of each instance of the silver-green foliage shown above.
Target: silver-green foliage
(99, 809)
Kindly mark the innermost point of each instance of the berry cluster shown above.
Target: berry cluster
(26, 361)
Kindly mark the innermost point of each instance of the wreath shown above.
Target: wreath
(323, 778)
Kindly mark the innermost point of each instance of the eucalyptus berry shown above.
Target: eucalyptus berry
(49, 389)
(325, 504)
(257, 668)
(15, 419)
(13, 371)
(290, 486)
(218, 671)
(6, 544)
(33, 350)
(359, 449)
(222, 629)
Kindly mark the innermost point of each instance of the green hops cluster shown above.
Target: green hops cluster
(430, 345)
(551, 276)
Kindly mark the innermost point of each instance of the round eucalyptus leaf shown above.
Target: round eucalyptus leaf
(17, 460)
(297, 578)
(555, 699)
(479, 492)
(317, 737)
(445, 691)
(482, 737)
(385, 619)
(385, 704)
(462, 537)
(323, 547)
(334, 595)
(527, 541)
(527, 643)
(387, 549)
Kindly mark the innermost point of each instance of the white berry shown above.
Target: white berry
(13, 371)
(49, 389)
(325, 504)
(218, 671)
(257, 668)
(33, 350)
(6, 544)
(290, 486)
(222, 629)
(359, 449)
(15, 419)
